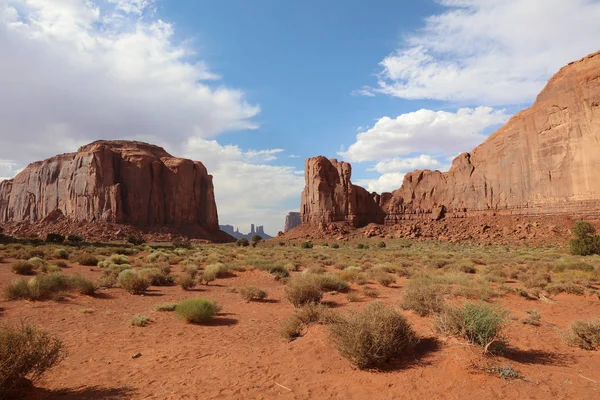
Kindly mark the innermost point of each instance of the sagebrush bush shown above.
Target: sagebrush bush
(156, 276)
(291, 328)
(186, 281)
(165, 307)
(423, 296)
(584, 334)
(23, 268)
(27, 352)
(373, 336)
(132, 282)
(330, 282)
(82, 285)
(88, 260)
(481, 324)
(243, 242)
(158, 256)
(197, 310)
(37, 262)
(251, 293)
(49, 286)
(303, 289)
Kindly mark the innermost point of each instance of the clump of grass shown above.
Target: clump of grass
(88, 311)
(383, 278)
(37, 262)
(353, 297)
(351, 274)
(373, 336)
(369, 292)
(186, 281)
(61, 254)
(565, 287)
(157, 277)
(27, 352)
(330, 282)
(50, 286)
(251, 293)
(165, 307)
(481, 324)
(584, 334)
(132, 282)
(82, 285)
(158, 256)
(197, 310)
(303, 289)
(23, 268)
(423, 296)
(291, 328)
(307, 245)
(118, 259)
(88, 260)
(505, 372)
(191, 269)
(139, 320)
(533, 318)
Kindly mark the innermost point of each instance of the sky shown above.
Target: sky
(253, 88)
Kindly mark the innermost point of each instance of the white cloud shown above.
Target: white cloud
(246, 191)
(493, 52)
(424, 131)
(73, 71)
(293, 156)
(424, 161)
(385, 183)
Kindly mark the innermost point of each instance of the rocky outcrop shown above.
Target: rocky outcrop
(121, 182)
(329, 196)
(545, 160)
(292, 220)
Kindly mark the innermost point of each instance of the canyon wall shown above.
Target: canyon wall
(545, 160)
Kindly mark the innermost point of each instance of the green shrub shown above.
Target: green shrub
(82, 285)
(360, 246)
(255, 238)
(156, 276)
(132, 282)
(42, 287)
(303, 289)
(158, 256)
(196, 310)
(75, 239)
(373, 336)
(381, 245)
(88, 260)
(307, 245)
(481, 324)
(330, 282)
(27, 352)
(54, 238)
(37, 262)
(585, 246)
(180, 243)
(584, 334)
(186, 281)
(583, 229)
(335, 246)
(136, 240)
(243, 242)
(251, 293)
(61, 254)
(23, 268)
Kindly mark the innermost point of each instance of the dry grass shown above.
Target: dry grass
(584, 334)
(251, 293)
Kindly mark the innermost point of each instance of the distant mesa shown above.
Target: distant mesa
(544, 161)
(292, 220)
(229, 229)
(126, 183)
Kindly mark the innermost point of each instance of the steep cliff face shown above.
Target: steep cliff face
(329, 196)
(121, 182)
(545, 160)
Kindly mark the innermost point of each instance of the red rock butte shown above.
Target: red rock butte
(544, 161)
(120, 182)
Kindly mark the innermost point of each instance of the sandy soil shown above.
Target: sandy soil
(241, 356)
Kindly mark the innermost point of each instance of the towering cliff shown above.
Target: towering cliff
(121, 182)
(545, 160)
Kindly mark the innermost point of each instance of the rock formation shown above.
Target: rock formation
(121, 182)
(292, 220)
(260, 231)
(545, 160)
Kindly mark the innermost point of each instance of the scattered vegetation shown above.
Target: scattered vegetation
(139, 320)
(584, 334)
(303, 289)
(132, 282)
(251, 293)
(165, 307)
(23, 268)
(197, 310)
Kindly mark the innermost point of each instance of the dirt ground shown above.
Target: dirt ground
(240, 355)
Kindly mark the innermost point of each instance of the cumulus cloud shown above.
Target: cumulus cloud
(424, 131)
(247, 191)
(385, 183)
(424, 161)
(74, 71)
(492, 52)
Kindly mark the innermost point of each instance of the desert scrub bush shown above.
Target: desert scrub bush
(197, 310)
(383, 278)
(75, 239)
(243, 242)
(535, 280)
(61, 254)
(190, 269)
(139, 320)
(156, 276)
(88, 260)
(37, 262)
(132, 282)
(303, 289)
(564, 287)
(219, 270)
(482, 324)
(118, 259)
(291, 328)
(165, 307)
(54, 238)
(423, 295)
(495, 273)
(181, 243)
(23, 268)
(330, 282)
(44, 287)
(466, 266)
(533, 318)
(158, 256)
(351, 274)
(369, 292)
(186, 281)
(82, 285)
(372, 336)
(381, 245)
(584, 334)
(582, 229)
(27, 352)
(307, 245)
(564, 265)
(335, 246)
(352, 297)
(36, 253)
(136, 240)
(251, 293)
(585, 242)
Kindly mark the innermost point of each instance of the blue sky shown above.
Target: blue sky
(252, 88)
